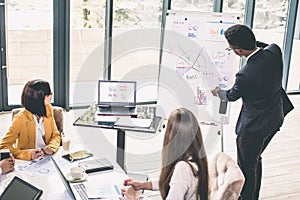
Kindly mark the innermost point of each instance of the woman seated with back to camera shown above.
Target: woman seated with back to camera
(33, 131)
(184, 173)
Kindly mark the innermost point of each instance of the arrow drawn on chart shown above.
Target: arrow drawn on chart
(188, 57)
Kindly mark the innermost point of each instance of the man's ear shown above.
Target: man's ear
(241, 52)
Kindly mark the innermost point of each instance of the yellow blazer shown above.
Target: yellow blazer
(22, 133)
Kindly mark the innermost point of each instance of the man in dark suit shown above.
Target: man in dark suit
(258, 83)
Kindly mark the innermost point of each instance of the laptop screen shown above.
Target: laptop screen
(64, 180)
(116, 93)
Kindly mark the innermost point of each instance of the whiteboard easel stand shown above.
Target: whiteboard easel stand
(221, 133)
(222, 112)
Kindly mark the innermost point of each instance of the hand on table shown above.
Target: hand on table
(138, 185)
(7, 165)
(47, 150)
(129, 193)
(36, 153)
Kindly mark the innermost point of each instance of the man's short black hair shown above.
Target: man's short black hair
(33, 96)
(241, 36)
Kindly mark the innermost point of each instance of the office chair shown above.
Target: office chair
(58, 116)
(226, 178)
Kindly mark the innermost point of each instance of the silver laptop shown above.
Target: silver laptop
(78, 190)
(75, 190)
(116, 97)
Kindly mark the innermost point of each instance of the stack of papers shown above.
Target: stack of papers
(101, 118)
(133, 122)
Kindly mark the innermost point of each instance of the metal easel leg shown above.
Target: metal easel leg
(222, 134)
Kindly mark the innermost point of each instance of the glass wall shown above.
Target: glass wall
(235, 6)
(294, 73)
(196, 5)
(270, 21)
(86, 49)
(136, 44)
(29, 40)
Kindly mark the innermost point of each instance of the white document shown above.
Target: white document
(100, 118)
(133, 122)
(105, 191)
(38, 167)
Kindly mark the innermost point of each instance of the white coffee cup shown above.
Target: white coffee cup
(66, 143)
(77, 172)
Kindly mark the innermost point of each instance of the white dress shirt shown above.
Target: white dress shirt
(40, 133)
(254, 52)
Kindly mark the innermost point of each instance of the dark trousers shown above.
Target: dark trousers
(249, 150)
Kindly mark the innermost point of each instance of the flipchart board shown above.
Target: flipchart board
(195, 61)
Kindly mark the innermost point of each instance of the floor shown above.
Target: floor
(281, 160)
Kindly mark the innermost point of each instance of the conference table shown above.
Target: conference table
(88, 119)
(47, 177)
(42, 174)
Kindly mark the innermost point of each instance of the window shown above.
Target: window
(294, 73)
(29, 44)
(270, 21)
(136, 44)
(86, 49)
(235, 6)
(196, 5)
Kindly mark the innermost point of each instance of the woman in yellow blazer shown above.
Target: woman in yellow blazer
(33, 131)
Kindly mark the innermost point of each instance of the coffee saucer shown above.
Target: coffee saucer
(72, 180)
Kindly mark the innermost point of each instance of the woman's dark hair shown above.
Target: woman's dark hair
(183, 142)
(241, 36)
(33, 96)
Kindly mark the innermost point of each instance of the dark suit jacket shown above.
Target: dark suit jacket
(259, 85)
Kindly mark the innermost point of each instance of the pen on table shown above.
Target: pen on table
(147, 179)
(125, 184)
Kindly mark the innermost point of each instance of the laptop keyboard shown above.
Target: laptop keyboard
(80, 188)
(81, 191)
(117, 110)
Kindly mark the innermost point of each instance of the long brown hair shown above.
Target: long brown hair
(183, 142)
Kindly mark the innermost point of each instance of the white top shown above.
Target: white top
(40, 133)
(183, 183)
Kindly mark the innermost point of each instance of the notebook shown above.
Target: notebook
(96, 165)
(116, 98)
(28, 191)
